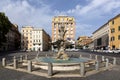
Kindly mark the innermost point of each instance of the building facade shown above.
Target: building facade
(12, 39)
(35, 39)
(26, 38)
(114, 32)
(41, 40)
(101, 37)
(84, 40)
(67, 22)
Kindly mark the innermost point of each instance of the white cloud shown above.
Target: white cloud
(84, 29)
(94, 11)
(22, 13)
(95, 6)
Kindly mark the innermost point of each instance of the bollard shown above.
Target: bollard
(21, 58)
(103, 58)
(46, 55)
(96, 57)
(107, 63)
(29, 66)
(80, 55)
(26, 57)
(97, 65)
(90, 56)
(114, 61)
(14, 57)
(3, 62)
(50, 69)
(15, 63)
(82, 69)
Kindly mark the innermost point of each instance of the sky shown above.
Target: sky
(89, 14)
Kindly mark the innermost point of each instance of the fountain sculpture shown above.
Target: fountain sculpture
(61, 43)
(62, 62)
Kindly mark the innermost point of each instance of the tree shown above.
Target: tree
(5, 25)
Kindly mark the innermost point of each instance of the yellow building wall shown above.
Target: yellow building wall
(27, 37)
(116, 24)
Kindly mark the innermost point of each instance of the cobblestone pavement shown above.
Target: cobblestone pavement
(7, 74)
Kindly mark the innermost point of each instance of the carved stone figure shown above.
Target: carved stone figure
(61, 44)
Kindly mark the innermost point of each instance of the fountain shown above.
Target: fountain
(62, 62)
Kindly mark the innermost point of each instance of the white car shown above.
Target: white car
(116, 51)
(74, 49)
(108, 51)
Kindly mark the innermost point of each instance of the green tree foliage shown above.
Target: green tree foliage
(5, 25)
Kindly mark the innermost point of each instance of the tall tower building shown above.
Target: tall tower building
(67, 22)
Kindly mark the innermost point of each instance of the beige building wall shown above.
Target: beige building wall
(34, 39)
(103, 30)
(101, 37)
(37, 39)
(84, 40)
(67, 22)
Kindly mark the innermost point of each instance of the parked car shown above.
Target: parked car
(108, 51)
(28, 50)
(23, 50)
(116, 51)
(74, 49)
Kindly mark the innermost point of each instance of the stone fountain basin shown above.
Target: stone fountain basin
(59, 64)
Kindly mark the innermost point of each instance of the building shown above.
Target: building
(34, 39)
(41, 40)
(12, 39)
(84, 40)
(114, 32)
(26, 38)
(67, 22)
(101, 37)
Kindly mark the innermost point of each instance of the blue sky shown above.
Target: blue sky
(89, 14)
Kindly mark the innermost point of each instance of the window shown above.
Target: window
(112, 30)
(71, 32)
(118, 28)
(118, 37)
(71, 28)
(112, 38)
(113, 22)
(67, 35)
(55, 32)
(54, 35)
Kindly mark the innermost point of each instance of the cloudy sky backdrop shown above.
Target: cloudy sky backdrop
(89, 14)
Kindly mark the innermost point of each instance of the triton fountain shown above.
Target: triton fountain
(62, 62)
